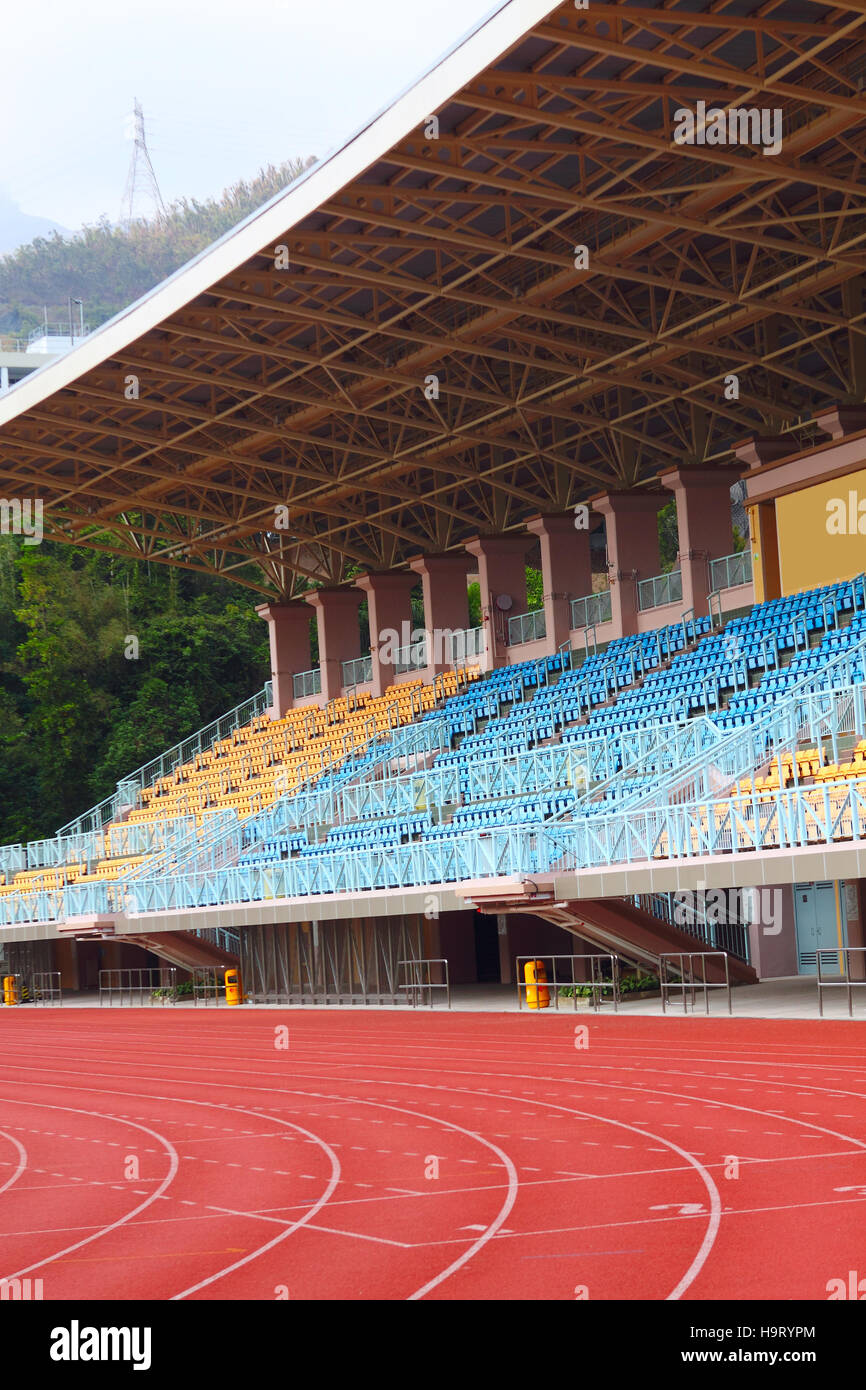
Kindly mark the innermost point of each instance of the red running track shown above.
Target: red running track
(158, 1155)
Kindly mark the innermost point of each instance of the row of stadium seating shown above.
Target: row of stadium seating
(256, 765)
(653, 681)
(526, 722)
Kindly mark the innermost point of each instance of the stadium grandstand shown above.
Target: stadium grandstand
(599, 258)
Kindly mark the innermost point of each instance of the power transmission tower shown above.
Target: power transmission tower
(141, 180)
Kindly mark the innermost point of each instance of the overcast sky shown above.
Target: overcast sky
(227, 86)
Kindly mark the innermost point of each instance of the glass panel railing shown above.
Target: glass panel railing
(591, 609)
(464, 644)
(307, 683)
(731, 570)
(411, 658)
(357, 672)
(661, 589)
(526, 627)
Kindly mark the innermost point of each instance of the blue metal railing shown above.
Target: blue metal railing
(706, 826)
(699, 829)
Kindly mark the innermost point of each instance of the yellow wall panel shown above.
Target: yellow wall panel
(811, 549)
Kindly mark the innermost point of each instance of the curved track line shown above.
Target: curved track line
(477, 1244)
(703, 1252)
(22, 1160)
(335, 1177)
(534, 1077)
(295, 1225)
(104, 1230)
(715, 1214)
(501, 1215)
(513, 1181)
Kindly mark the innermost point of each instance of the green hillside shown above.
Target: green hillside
(110, 267)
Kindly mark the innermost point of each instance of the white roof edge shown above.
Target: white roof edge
(504, 27)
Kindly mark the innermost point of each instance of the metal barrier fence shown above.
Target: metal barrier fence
(842, 956)
(526, 627)
(183, 752)
(731, 570)
(692, 977)
(598, 983)
(307, 683)
(209, 985)
(138, 986)
(465, 643)
(412, 657)
(46, 988)
(591, 609)
(661, 589)
(357, 672)
(420, 983)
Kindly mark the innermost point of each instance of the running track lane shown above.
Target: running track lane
(429, 1156)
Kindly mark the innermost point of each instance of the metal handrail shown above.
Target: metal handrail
(844, 981)
(597, 983)
(412, 657)
(141, 984)
(660, 590)
(357, 672)
(465, 643)
(207, 987)
(47, 988)
(174, 757)
(417, 987)
(690, 981)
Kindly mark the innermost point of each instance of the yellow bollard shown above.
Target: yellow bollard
(10, 994)
(537, 993)
(233, 987)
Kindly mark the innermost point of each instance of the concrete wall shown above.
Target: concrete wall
(774, 956)
(809, 555)
(457, 945)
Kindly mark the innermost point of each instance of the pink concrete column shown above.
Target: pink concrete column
(390, 621)
(339, 634)
(446, 604)
(764, 448)
(501, 571)
(704, 528)
(842, 420)
(566, 569)
(289, 636)
(632, 549)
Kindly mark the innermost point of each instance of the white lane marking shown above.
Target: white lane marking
(295, 1225)
(22, 1160)
(121, 1221)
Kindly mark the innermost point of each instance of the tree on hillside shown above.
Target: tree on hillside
(110, 267)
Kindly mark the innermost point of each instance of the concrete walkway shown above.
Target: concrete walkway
(794, 997)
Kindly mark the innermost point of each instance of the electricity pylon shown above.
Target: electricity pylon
(141, 179)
